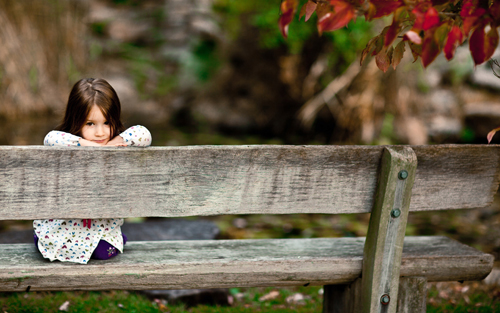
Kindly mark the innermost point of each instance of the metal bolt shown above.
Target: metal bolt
(403, 174)
(396, 213)
(385, 299)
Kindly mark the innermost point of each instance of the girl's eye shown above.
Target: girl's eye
(106, 123)
(89, 124)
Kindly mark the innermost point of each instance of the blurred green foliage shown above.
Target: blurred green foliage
(344, 44)
(147, 71)
(202, 62)
(467, 135)
(99, 28)
(33, 79)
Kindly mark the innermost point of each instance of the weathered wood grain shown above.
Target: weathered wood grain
(386, 232)
(232, 263)
(342, 298)
(49, 182)
(412, 295)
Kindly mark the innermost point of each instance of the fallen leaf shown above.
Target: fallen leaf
(64, 307)
(270, 296)
(295, 298)
(443, 295)
(162, 304)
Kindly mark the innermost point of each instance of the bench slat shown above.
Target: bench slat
(54, 182)
(235, 263)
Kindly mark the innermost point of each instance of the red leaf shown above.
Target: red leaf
(385, 7)
(472, 15)
(467, 8)
(401, 14)
(379, 44)
(455, 38)
(431, 19)
(495, 11)
(416, 50)
(287, 10)
(308, 9)
(491, 134)
(419, 18)
(430, 48)
(344, 12)
(323, 9)
(370, 12)
(369, 47)
(476, 45)
(397, 56)
(468, 24)
(490, 43)
(382, 60)
(392, 33)
(441, 34)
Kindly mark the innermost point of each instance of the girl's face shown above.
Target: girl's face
(96, 127)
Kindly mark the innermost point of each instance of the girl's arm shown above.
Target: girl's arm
(135, 136)
(59, 138)
(63, 139)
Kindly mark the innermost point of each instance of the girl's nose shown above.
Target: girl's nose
(99, 131)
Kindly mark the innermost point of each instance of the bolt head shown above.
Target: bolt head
(396, 213)
(403, 174)
(385, 299)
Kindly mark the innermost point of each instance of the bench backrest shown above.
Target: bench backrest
(49, 182)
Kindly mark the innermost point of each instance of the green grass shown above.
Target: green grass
(43, 302)
(462, 298)
(442, 297)
(123, 301)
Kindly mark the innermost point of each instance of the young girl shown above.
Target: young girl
(92, 118)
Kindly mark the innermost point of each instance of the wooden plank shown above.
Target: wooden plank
(412, 295)
(235, 263)
(49, 182)
(342, 298)
(386, 232)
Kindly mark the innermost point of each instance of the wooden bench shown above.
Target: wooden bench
(379, 274)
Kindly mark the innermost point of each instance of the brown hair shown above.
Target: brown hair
(85, 94)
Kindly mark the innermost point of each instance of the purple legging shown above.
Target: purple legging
(103, 251)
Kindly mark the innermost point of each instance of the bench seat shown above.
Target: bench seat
(235, 263)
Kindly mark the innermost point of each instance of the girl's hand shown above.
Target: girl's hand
(117, 142)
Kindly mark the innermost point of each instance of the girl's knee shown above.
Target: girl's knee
(106, 250)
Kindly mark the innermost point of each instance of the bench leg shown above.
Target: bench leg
(412, 294)
(342, 298)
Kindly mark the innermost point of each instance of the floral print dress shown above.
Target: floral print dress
(68, 240)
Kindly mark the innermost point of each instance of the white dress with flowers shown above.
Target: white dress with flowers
(67, 240)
